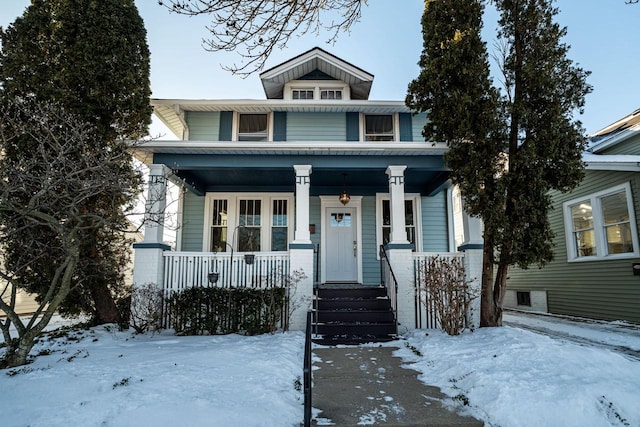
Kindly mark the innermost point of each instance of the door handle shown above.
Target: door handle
(355, 248)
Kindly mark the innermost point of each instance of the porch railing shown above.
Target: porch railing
(424, 304)
(388, 279)
(187, 269)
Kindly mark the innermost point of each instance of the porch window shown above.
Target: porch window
(250, 221)
(253, 127)
(219, 226)
(378, 127)
(601, 225)
(409, 222)
(279, 225)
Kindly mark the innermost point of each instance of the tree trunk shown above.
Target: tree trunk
(106, 308)
(18, 351)
(487, 306)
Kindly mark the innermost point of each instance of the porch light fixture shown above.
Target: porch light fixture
(344, 197)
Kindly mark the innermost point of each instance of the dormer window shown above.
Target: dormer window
(330, 93)
(302, 94)
(253, 127)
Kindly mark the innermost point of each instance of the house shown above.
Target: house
(596, 268)
(316, 177)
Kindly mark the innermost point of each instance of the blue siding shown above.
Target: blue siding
(192, 222)
(417, 124)
(226, 126)
(434, 223)
(370, 263)
(203, 126)
(314, 218)
(406, 129)
(316, 127)
(353, 126)
(280, 126)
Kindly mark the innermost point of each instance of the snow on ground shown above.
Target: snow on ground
(103, 377)
(508, 377)
(513, 377)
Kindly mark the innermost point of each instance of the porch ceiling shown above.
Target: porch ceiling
(365, 175)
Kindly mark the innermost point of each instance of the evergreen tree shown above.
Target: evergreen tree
(509, 149)
(90, 57)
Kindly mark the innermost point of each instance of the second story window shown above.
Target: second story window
(302, 94)
(378, 127)
(253, 127)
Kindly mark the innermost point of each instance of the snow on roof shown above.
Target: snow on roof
(616, 132)
(620, 162)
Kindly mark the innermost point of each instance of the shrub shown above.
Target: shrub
(446, 292)
(146, 308)
(198, 311)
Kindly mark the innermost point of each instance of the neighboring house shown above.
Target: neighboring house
(595, 272)
(316, 177)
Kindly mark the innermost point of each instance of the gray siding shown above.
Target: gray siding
(316, 127)
(631, 146)
(603, 289)
(435, 235)
(203, 126)
(192, 222)
(370, 263)
(417, 123)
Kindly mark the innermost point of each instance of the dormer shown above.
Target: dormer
(316, 75)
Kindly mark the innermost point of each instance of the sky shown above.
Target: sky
(603, 35)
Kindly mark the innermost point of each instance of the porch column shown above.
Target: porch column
(399, 251)
(303, 181)
(148, 263)
(396, 202)
(473, 252)
(301, 251)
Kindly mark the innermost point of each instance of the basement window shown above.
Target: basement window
(523, 298)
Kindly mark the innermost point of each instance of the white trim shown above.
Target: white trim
(316, 86)
(417, 218)
(598, 225)
(333, 202)
(451, 224)
(233, 204)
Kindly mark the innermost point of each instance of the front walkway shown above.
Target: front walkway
(367, 386)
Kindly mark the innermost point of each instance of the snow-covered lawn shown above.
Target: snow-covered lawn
(103, 377)
(506, 376)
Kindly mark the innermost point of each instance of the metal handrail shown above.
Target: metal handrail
(307, 373)
(391, 285)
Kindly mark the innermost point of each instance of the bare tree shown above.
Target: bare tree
(50, 189)
(253, 28)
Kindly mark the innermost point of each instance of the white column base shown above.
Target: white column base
(148, 266)
(401, 261)
(473, 271)
(301, 259)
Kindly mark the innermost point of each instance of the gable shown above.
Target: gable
(316, 62)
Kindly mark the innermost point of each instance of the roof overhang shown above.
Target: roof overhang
(619, 162)
(274, 79)
(171, 111)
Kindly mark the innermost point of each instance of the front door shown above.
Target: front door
(342, 245)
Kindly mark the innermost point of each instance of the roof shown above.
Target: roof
(615, 133)
(171, 111)
(316, 59)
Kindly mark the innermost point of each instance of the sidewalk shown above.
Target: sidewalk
(367, 386)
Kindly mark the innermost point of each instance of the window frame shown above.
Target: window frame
(303, 89)
(236, 125)
(233, 211)
(601, 244)
(395, 126)
(417, 218)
